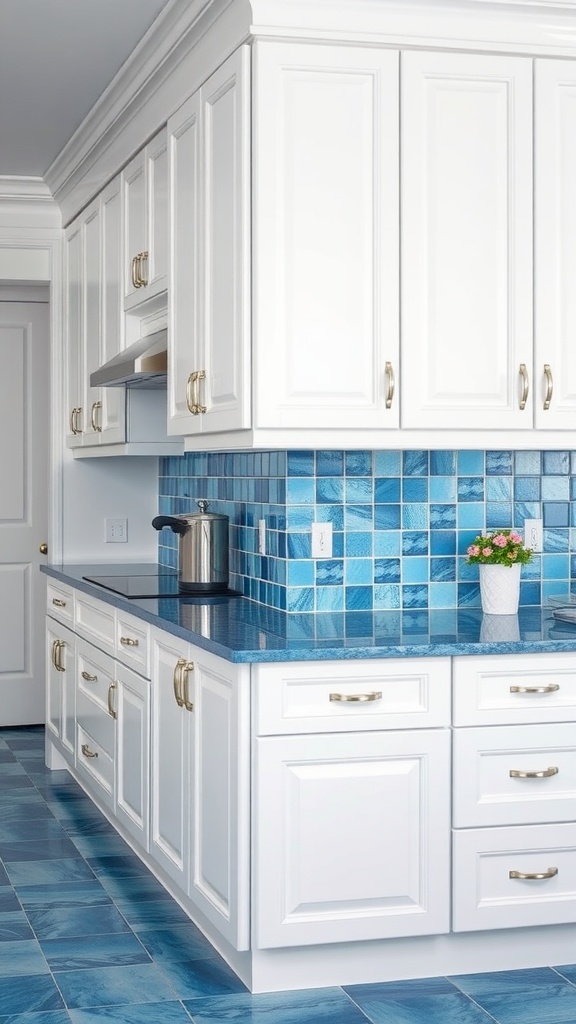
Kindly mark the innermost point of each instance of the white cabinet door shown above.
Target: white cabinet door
(145, 197)
(172, 758)
(132, 710)
(61, 685)
(352, 837)
(92, 297)
(220, 864)
(210, 254)
(325, 251)
(112, 413)
(466, 143)
(74, 333)
(555, 254)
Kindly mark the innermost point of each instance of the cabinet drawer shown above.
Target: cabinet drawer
(95, 621)
(485, 792)
(60, 602)
(132, 642)
(95, 673)
(515, 688)
(484, 895)
(348, 696)
(96, 723)
(96, 764)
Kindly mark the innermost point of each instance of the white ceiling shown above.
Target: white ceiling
(56, 58)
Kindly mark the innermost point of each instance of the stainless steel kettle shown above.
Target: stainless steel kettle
(202, 549)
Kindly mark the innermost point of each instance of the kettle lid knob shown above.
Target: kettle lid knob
(202, 504)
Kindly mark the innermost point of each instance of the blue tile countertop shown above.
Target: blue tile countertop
(240, 630)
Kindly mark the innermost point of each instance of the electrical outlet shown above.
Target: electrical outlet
(321, 540)
(533, 534)
(116, 530)
(261, 536)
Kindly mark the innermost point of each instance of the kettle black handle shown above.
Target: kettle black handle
(173, 522)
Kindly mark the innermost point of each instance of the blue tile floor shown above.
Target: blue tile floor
(88, 935)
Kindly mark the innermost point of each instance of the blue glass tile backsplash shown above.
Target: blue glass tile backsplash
(401, 521)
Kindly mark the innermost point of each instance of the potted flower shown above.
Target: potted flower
(500, 556)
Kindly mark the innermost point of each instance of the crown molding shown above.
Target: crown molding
(159, 75)
(27, 201)
(18, 187)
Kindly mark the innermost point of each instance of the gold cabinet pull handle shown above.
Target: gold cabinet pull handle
(193, 392)
(55, 649)
(57, 601)
(550, 688)
(533, 874)
(389, 369)
(546, 773)
(142, 258)
(525, 385)
(127, 641)
(549, 386)
(74, 415)
(111, 710)
(187, 667)
(87, 752)
(177, 682)
(94, 418)
(88, 677)
(59, 663)
(356, 698)
(134, 276)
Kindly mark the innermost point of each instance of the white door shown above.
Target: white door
(24, 458)
(466, 186)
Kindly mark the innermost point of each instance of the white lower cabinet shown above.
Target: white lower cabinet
(60, 687)
(200, 771)
(514, 791)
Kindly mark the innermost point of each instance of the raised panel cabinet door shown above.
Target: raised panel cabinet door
(466, 241)
(134, 224)
(325, 252)
(220, 867)
(130, 702)
(156, 264)
(61, 685)
(555, 253)
(224, 391)
(112, 413)
(172, 739)
(185, 353)
(352, 837)
(74, 333)
(92, 299)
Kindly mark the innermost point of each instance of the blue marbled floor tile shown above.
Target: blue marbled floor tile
(12, 783)
(139, 1013)
(93, 951)
(181, 943)
(70, 809)
(117, 866)
(114, 986)
(89, 893)
(6, 756)
(43, 1017)
(109, 845)
(8, 901)
(536, 996)
(4, 880)
(447, 1008)
(38, 872)
(136, 887)
(36, 830)
(49, 849)
(14, 926)
(151, 913)
(312, 1006)
(89, 826)
(201, 978)
(11, 768)
(27, 805)
(19, 995)
(64, 922)
(567, 971)
(21, 958)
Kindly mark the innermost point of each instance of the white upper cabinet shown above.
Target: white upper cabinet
(145, 187)
(325, 157)
(209, 352)
(555, 253)
(73, 334)
(466, 123)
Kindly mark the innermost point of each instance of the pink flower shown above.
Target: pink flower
(473, 550)
(500, 540)
(515, 538)
(487, 552)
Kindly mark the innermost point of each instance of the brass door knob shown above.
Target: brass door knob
(43, 549)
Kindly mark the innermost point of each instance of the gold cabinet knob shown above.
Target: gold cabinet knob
(43, 549)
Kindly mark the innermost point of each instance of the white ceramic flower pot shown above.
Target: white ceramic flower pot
(500, 589)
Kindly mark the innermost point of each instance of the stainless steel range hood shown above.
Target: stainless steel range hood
(142, 365)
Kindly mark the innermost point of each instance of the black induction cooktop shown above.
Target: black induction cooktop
(153, 585)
